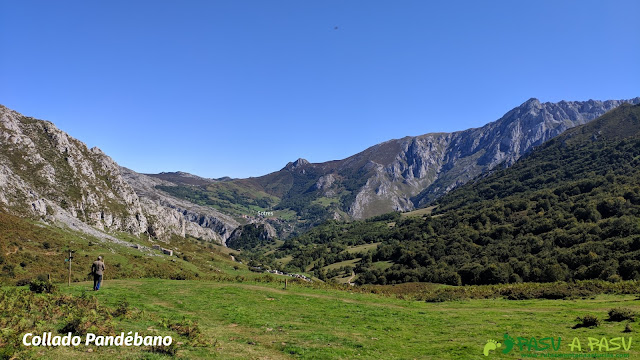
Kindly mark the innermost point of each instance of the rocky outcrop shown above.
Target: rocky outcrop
(47, 174)
(169, 215)
(430, 165)
(326, 185)
(296, 164)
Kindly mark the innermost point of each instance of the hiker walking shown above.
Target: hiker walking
(97, 268)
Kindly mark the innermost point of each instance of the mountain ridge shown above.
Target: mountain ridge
(46, 174)
(566, 211)
(410, 172)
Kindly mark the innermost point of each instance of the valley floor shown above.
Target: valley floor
(251, 320)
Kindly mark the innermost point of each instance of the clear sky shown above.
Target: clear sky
(239, 88)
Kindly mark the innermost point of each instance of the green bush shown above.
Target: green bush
(122, 309)
(622, 314)
(40, 286)
(442, 296)
(11, 344)
(188, 329)
(74, 325)
(170, 350)
(587, 321)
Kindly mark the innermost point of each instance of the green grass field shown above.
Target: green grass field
(252, 320)
(228, 312)
(419, 212)
(342, 263)
(362, 248)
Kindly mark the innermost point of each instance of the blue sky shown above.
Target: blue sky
(239, 88)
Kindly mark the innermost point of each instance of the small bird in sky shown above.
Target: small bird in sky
(335, 28)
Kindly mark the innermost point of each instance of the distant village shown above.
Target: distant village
(298, 276)
(261, 215)
(278, 272)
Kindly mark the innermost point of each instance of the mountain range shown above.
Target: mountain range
(45, 174)
(568, 210)
(397, 175)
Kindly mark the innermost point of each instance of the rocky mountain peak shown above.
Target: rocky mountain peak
(296, 164)
(300, 162)
(531, 103)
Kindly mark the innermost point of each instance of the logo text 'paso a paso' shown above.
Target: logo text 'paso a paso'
(554, 344)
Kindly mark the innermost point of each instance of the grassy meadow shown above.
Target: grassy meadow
(214, 307)
(262, 320)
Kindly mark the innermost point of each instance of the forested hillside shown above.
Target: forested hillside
(569, 210)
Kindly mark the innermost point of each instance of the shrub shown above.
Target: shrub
(40, 286)
(122, 309)
(85, 319)
(587, 321)
(170, 350)
(188, 329)
(11, 343)
(614, 278)
(74, 325)
(555, 293)
(23, 282)
(442, 296)
(621, 314)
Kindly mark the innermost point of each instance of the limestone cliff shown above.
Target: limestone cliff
(428, 166)
(171, 215)
(402, 174)
(42, 168)
(47, 174)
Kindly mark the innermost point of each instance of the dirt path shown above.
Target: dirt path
(353, 274)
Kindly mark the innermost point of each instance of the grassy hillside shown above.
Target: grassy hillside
(251, 320)
(225, 196)
(29, 249)
(288, 194)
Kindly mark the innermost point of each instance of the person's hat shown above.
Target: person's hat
(99, 257)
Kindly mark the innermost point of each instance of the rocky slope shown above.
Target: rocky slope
(171, 215)
(428, 166)
(406, 173)
(46, 174)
